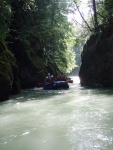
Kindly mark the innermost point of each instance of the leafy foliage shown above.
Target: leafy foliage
(44, 22)
(104, 12)
(5, 18)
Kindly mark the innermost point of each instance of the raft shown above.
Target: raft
(69, 80)
(56, 85)
(40, 84)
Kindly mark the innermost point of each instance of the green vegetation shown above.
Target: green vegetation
(100, 15)
(5, 18)
(42, 27)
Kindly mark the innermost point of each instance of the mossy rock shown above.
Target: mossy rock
(6, 76)
(7, 72)
(32, 70)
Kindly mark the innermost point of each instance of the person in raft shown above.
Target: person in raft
(49, 79)
(61, 77)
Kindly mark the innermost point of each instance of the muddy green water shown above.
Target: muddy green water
(74, 119)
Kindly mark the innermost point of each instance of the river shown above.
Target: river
(75, 119)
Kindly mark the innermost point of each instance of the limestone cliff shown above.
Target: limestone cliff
(97, 60)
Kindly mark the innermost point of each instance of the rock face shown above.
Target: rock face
(21, 66)
(97, 60)
(31, 71)
(8, 73)
(19, 69)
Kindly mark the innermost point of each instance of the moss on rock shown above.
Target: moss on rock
(7, 62)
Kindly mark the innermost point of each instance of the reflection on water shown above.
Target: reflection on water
(73, 119)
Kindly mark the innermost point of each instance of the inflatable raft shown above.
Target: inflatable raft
(56, 85)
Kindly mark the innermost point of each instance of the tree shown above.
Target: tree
(55, 28)
(5, 18)
(95, 16)
(46, 22)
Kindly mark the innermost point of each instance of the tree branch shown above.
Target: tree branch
(82, 16)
